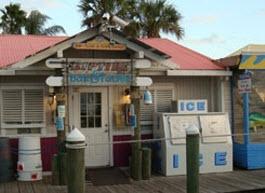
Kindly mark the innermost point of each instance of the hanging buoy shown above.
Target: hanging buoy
(148, 97)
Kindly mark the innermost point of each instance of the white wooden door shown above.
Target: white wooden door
(93, 123)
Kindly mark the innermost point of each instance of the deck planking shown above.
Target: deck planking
(239, 180)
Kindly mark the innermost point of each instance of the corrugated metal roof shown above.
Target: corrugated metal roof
(251, 48)
(186, 58)
(14, 48)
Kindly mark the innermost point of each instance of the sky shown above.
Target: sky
(214, 28)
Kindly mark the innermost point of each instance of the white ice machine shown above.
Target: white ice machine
(215, 152)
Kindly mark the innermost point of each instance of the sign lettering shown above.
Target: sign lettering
(244, 84)
(99, 73)
(192, 106)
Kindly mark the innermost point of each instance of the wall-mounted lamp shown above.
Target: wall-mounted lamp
(52, 96)
(126, 98)
(51, 99)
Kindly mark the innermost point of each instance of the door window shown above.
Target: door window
(90, 110)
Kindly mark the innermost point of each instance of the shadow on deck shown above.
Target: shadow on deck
(231, 182)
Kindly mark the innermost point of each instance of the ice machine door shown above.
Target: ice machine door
(178, 125)
(214, 125)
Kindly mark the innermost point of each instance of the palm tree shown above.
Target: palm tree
(13, 19)
(93, 10)
(156, 16)
(35, 25)
(148, 17)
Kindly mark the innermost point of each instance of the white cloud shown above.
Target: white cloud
(203, 19)
(212, 39)
(261, 12)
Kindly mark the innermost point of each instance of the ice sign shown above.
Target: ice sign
(192, 106)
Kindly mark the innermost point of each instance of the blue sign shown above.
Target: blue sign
(175, 161)
(192, 106)
(99, 78)
(59, 124)
(200, 160)
(132, 121)
(99, 73)
(220, 158)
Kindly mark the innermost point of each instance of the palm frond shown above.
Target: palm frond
(53, 30)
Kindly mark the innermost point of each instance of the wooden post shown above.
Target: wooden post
(75, 147)
(192, 159)
(55, 171)
(136, 147)
(63, 167)
(60, 131)
(60, 128)
(146, 153)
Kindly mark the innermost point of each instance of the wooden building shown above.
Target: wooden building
(95, 104)
(248, 103)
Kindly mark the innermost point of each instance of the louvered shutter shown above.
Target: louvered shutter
(33, 106)
(12, 106)
(163, 100)
(147, 110)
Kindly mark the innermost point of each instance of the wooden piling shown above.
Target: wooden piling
(146, 155)
(192, 160)
(55, 170)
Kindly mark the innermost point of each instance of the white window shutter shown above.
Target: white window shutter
(33, 106)
(12, 106)
(163, 100)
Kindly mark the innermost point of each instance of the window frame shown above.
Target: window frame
(23, 125)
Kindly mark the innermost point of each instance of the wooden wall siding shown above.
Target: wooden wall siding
(238, 115)
(227, 98)
(74, 53)
(22, 80)
(193, 88)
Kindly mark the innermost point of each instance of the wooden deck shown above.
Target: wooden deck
(209, 183)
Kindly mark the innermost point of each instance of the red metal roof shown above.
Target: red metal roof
(14, 48)
(186, 58)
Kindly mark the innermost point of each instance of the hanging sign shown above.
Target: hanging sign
(100, 73)
(142, 63)
(244, 84)
(55, 62)
(99, 43)
(143, 81)
(54, 81)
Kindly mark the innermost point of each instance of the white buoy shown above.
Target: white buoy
(29, 165)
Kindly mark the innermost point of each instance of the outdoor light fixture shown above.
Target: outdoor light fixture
(51, 99)
(52, 96)
(126, 98)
